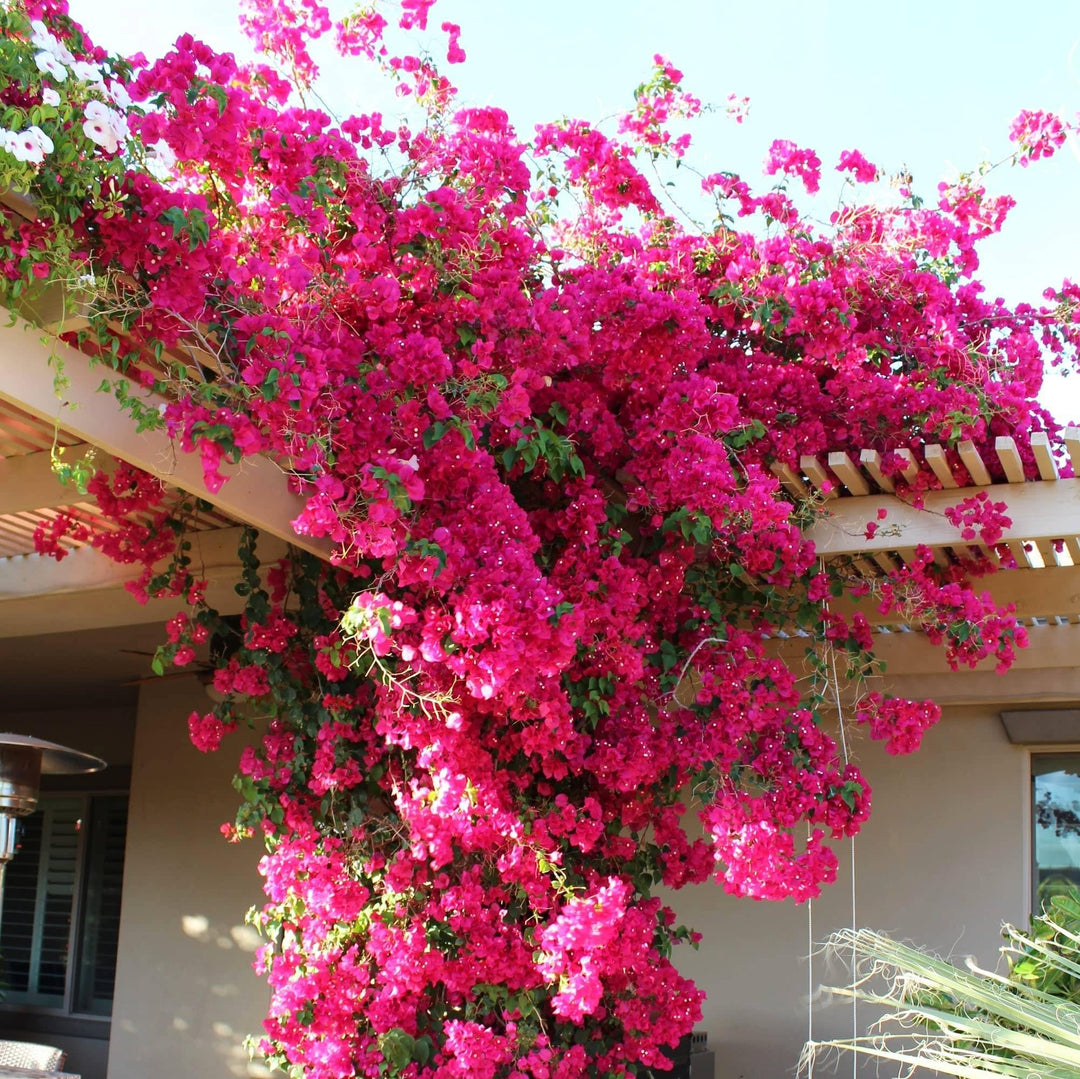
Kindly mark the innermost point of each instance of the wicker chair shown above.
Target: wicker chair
(31, 1055)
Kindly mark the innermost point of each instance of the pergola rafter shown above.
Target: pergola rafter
(52, 391)
(57, 384)
(29, 482)
(50, 400)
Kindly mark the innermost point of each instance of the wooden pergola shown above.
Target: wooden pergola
(85, 591)
(37, 413)
(1036, 562)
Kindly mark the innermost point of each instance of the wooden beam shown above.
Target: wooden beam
(1046, 671)
(256, 491)
(86, 589)
(1039, 510)
(912, 652)
(31, 616)
(1036, 593)
(1049, 685)
(1044, 456)
(29, 483)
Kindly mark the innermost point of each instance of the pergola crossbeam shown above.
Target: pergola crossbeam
(29, 483)
(56, 383)
(35, 590)
(1036, 593)
(1038, 511)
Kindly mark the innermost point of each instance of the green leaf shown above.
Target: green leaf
(269, 388)
(434, 433)
(219, 95)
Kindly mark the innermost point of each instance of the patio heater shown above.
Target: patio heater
(23, 761)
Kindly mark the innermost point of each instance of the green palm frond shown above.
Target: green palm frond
(971, 1023)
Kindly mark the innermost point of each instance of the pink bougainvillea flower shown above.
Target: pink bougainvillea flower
(455, 54)
(784, 156)
(853, 161)
(542, 450)
(737, 107)
(1039, 134)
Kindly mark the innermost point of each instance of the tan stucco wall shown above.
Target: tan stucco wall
(942, 861)
(186, 994)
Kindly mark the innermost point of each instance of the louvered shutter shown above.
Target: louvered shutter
(39, 899)
(60, 919)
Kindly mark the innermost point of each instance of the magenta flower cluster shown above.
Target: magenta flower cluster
(551, 665)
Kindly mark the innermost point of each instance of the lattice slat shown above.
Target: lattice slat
(1044, 458)
(1071, 438)
(871, 461)
(790, 480)
(845, 469)
(886, 561)
(1045, 548)
(973, 462)
(817, 474)
(938, 462)
(1009, 456)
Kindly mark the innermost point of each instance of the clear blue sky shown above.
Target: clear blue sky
(930, 85)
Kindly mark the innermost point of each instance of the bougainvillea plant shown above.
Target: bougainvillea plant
(534, 411)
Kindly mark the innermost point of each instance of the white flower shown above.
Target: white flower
(41, 37)
(43, 140)
(90, 73)
(118, 92)
(30, 145)
(104, 126)
(50, 97)
(49, 65)
(160, 159)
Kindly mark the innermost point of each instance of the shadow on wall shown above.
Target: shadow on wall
(196, 1021)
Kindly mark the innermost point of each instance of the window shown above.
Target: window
(1056, 824)
(60, 920)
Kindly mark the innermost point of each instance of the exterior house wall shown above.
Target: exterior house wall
(943, 860)
(185, 995)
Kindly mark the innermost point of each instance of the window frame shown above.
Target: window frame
(1053, 751)
(50, 1018)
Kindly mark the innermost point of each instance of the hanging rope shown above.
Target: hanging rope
(844, 749)
(810, 903)
(810, 982)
